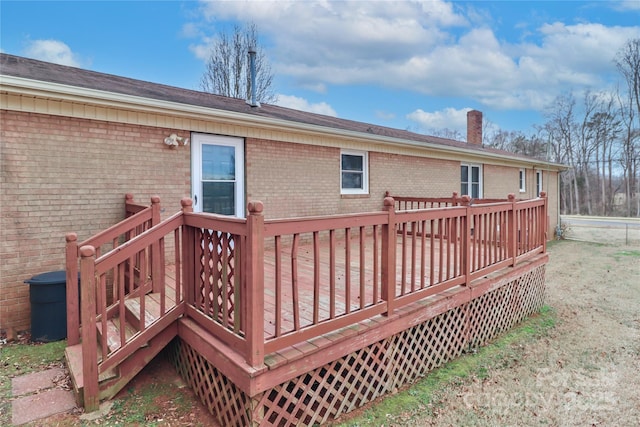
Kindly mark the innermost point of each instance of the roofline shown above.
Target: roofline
(39, 88)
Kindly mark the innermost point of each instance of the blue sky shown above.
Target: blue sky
(410, 65)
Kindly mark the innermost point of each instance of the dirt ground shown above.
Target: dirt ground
(584, 372)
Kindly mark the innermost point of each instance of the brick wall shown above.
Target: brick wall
(301, 180)
(414, 176)
(63, 174)
(499, 181)
(292, 179)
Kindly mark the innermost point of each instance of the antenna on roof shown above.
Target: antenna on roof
(252, 69)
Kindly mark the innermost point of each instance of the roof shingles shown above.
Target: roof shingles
(17, 66)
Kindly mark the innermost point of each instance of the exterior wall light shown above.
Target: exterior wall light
(174, 140)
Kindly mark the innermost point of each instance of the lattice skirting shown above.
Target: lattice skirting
(352, 381)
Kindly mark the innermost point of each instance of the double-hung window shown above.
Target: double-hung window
(354, 174)
(538, 183)
(471, 181)
(523, 180)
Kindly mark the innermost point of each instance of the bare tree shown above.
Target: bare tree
(518, 142)
(561, 129)
(604, 128)
(628, 63)
(227, 71)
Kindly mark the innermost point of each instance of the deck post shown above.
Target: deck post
(128, 199)
(73, 310)
(157, 261)
(188, 254)
(89, 333)
(253, 294)
(466, 239)
(512, 245)
(455, 199)
(388, 255)
(544, 221)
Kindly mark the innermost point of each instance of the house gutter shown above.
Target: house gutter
(20, 86)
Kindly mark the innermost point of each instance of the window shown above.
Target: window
(354, 176)
(523, 180)
(471, 181)
(538, 183)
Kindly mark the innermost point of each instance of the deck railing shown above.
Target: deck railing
(342, 256)
(241, 279)
(404, 203)
(138, 219)
(116, 319)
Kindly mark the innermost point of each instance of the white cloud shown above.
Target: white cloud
(448, 123)
(52, 51)
(385, 115)
(201, 51)
(435, 48)
(190, 30)
(449, 118)
(626, 5)
(297, 103)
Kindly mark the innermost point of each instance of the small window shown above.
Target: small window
(523, 180)
(471, 181)
(354, 176)
(538, 183)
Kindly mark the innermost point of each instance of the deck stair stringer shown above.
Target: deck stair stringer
(114, 379)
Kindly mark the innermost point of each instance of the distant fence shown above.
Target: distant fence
(619, 231)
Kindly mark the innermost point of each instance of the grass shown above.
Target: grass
(136, 407)
(415, 400)
(631, 253)
(19, 359)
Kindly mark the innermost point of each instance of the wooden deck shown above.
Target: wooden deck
(262, 303)
(357, 289)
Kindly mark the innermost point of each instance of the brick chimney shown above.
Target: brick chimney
(474, 127)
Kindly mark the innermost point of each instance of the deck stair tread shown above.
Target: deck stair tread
(113, 332)
(151, 309)
(73, 355)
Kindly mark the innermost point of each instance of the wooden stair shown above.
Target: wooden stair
(116, 378)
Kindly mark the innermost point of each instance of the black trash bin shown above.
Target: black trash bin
(48, 297)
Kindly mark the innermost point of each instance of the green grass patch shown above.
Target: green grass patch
(19, 359)
(476, 363)
(630, 253)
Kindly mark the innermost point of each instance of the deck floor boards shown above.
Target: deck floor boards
(305, 285)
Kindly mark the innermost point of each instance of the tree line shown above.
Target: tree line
(598, 137)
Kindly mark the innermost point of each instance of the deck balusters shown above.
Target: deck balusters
(463, 242)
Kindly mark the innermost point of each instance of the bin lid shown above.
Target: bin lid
(49, 278)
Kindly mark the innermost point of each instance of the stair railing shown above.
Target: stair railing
(138, 219)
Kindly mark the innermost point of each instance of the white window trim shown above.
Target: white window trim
(365, 172)
(523, 183)
(480, 184)
(539, 186)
